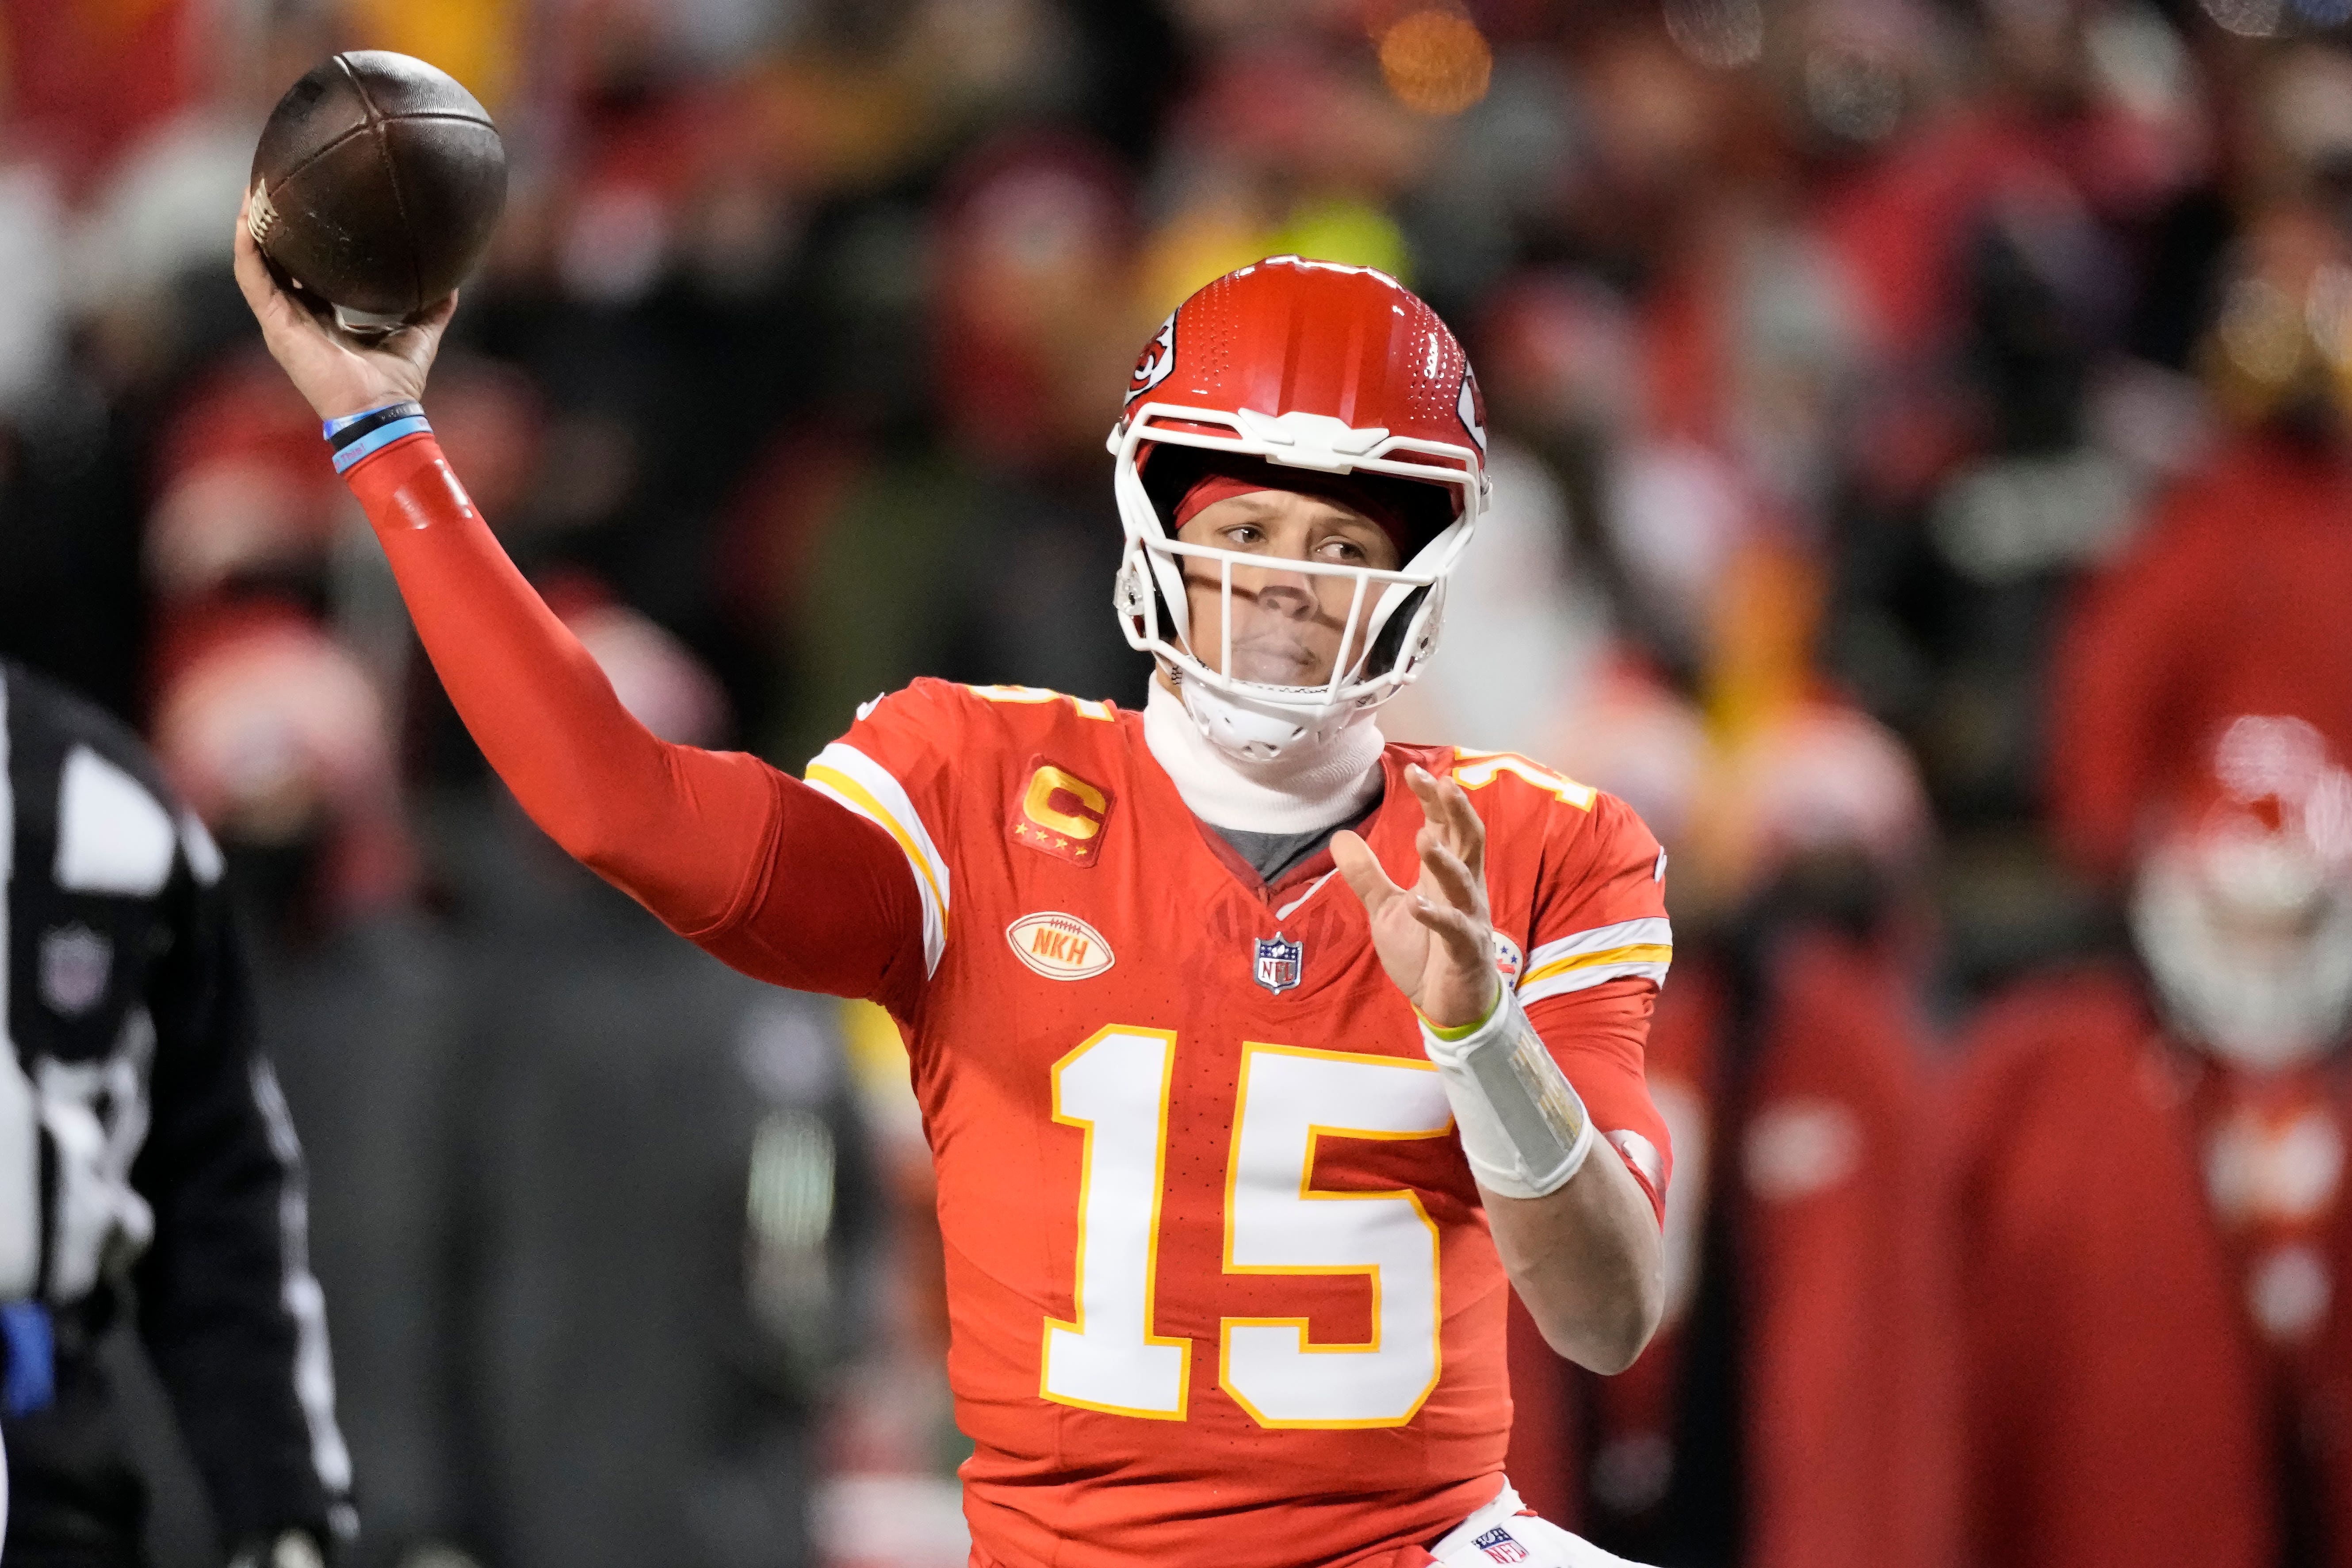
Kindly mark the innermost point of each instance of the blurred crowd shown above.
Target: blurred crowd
(1923, 488)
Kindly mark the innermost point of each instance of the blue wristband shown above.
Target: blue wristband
(356, 436)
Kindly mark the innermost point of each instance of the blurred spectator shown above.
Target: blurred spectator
(149, 1168)
(67, 98)
(667, 1210)
(33, 318)
(985, 547)
(241, 498)
(1626, 725)
(145, 271)
(1522, 628)
(2233, 602)
(280, 743)
(1992, 234)
(1791, 1058)
(2152, 1198)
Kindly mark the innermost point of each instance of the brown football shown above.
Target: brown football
(376, 185)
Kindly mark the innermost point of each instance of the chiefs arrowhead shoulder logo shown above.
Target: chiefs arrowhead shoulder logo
(1159, 357)
(1059, 946)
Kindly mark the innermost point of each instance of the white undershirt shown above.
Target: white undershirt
(1319, 787)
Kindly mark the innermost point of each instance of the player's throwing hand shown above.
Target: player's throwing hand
(1436, 941)
(339, 373)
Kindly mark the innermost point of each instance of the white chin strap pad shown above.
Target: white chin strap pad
(1244, 729)
(1523, 1125)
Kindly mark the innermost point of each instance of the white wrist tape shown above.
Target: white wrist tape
(1523, 1125)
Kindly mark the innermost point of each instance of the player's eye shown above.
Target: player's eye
(1338, 548)
(1244, 535)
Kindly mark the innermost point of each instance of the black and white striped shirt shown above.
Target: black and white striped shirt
(141, 1138)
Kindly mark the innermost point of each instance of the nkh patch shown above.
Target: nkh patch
(75, 964)
(1061, 815)
(1280, 960)
(1501, 1545)
(1059, 946)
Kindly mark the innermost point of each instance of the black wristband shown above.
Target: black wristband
(356, 437)
(361, 425)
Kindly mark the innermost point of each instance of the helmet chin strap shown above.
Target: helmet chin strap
(1263, 768)
(1255, 734)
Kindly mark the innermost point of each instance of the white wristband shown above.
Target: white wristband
(1523, 1125)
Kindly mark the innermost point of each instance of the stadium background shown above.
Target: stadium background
(1859, 372)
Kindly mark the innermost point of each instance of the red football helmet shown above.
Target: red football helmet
(2243, 908)
(1315, 366)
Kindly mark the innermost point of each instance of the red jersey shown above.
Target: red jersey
(1220, 1285)
(1212, 1249)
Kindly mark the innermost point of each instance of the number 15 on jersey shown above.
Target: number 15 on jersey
(1114, 1088)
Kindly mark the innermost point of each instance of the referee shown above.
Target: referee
(146, 1166)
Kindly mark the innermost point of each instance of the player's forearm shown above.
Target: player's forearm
(595, 779)
(1589, 1262)
(1578, 1234)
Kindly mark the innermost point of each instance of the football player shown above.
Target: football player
(1256, 1055)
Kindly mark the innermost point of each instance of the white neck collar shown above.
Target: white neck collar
(1319, 786)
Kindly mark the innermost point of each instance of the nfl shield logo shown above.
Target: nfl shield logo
(1502, 1546)
(1277, 963)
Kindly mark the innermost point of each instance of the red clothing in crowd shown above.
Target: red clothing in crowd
(80, 82)
(1851, 1442)
(2233, 602)
(2146, 1383)
(1847, 1369)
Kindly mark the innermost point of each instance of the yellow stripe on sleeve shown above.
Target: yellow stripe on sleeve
(1640, 953)
(856, 795)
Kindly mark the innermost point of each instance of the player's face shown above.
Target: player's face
(1287, 624)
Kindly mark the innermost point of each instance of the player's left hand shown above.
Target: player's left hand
(1435, 940)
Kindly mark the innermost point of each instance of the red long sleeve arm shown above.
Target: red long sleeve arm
(716, 844)
(1606, 917)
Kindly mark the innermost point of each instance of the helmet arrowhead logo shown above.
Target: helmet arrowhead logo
(1158, 358)
(1473, 409)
